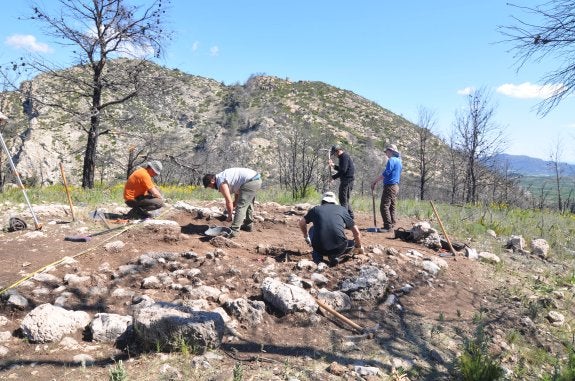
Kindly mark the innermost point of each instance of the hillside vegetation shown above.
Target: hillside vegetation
(197, 125)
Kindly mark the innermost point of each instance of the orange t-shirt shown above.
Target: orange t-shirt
(138, 184)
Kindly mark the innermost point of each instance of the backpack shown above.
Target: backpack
(15, 224)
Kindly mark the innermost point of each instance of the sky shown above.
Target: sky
(403, 55)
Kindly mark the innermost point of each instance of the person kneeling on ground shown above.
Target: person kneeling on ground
(243, 183)
(140, 192)
(327, 235)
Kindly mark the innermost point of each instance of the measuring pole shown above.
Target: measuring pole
(37, 225)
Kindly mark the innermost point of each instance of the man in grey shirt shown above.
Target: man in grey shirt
(243, 183)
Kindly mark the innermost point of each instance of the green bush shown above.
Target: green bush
(118, 372)
(475, 364)
(238, 372)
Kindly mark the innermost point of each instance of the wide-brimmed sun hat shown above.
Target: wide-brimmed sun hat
(392, 147)
(155, 165)
(329, 197)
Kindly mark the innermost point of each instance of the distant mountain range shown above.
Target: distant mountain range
(530, 166)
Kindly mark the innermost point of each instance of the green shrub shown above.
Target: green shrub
(118, 372)
(238, 372)
(475, 364)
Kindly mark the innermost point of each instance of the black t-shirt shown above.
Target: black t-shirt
(329, 224)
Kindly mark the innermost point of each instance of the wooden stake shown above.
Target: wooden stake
(443, 229)
(67, 191)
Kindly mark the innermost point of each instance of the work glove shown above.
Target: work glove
(308, 240)
(358, 250)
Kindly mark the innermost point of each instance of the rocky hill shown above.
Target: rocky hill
(196, 123)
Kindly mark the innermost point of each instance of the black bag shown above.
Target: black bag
(402, 234)
(15, 224)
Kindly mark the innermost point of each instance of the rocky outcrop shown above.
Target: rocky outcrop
(168, 327)
(48, 323)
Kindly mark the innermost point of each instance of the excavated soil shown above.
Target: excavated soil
(421, 331)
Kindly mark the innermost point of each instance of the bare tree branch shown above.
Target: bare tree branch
(551, 34)
(100, 30)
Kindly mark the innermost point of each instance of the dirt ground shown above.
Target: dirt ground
(421, 333)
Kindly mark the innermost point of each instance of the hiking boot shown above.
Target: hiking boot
(247, 228)
(333, 261)
(233, 234)
(143, 214)
(132, 215)
(137, 213)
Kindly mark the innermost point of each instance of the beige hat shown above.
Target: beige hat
(392, 147)
(329, 197)
(155, 165)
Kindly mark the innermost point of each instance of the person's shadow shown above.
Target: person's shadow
(191, 229)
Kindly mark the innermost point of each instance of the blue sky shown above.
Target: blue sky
(401, 54)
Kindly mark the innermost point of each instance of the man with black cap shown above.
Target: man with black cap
(327, 235)
(390, 176)
(140, 192)
(345, 172)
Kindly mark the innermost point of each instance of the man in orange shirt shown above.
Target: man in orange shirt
(140, 192)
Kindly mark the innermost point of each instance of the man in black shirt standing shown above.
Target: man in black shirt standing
(345, 172)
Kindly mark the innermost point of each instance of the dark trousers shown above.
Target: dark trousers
(146, 203)
(345, 188)
(387, 205)
(317, 257)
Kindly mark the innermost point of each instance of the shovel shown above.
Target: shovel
(88, 237)
(374, 229)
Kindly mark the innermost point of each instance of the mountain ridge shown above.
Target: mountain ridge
(200, 119)
(530, 166)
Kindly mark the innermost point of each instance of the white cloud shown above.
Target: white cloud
(214, 50)
(195, 46)
(529, 90)
(27, 42)
(466, 91)
(130, 50)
